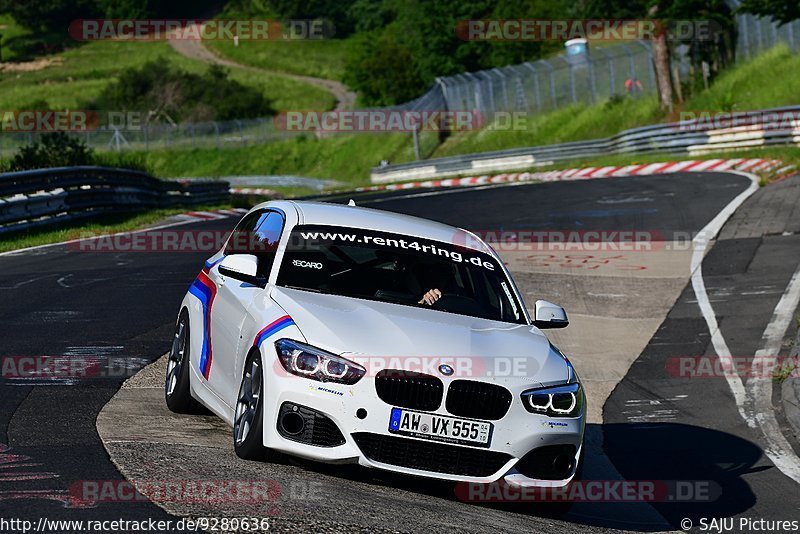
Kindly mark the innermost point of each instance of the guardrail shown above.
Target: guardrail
(777, 126)
(46, 197)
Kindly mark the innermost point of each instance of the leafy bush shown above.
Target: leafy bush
(164, 91)
(62, 150)
(52, 150)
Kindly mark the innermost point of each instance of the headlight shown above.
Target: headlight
(556, 401)
(310, 362)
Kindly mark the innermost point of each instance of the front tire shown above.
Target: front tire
(177, 390)
(248, 420)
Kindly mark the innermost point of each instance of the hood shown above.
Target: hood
(417, 339)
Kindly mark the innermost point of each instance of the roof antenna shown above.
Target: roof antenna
(351, 203)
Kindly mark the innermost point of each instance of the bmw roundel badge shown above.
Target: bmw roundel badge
(446, 370)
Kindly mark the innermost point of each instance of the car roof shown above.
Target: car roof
(312, 212)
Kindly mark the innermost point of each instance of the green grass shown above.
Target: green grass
(769, 80)
(106, 224)
(318, 58)
(572, 123)
(346, 158)
(80, 73)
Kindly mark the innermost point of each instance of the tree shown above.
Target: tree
(783, 11)
(661, 58)
(49, 15)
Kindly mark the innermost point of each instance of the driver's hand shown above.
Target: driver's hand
(430, 297)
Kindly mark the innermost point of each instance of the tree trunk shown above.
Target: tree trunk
(661, 64)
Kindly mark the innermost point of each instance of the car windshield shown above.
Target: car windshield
(399, 269)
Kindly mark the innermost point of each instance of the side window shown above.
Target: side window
(265, 241)
(241, 237)
(258, 234)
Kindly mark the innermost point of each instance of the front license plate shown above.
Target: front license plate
(440, 428)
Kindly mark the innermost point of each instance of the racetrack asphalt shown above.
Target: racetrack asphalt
(65, 302)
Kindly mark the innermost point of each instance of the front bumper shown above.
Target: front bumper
(363, 420)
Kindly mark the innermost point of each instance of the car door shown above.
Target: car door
(257, 234)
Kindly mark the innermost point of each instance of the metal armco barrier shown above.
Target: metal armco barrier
(46, 197)
(778, 126)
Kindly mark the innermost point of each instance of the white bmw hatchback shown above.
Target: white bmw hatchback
(344, 334)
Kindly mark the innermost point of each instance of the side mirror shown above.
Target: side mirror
(549, 315)
(243, 267)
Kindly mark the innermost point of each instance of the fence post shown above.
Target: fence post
(535, 86)
(631, 66)
(592, 81)
(443, 86)
(477, 92)
(759, 37)
(415, 137)
(552, 84)
(651, 70)
(744, 27)
(241, 133)
(612, 82)
(774, 27)
(491, 94)
(572, 83)
(503, 85)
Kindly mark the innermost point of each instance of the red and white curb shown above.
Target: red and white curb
(211, 215)
(772, 167)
